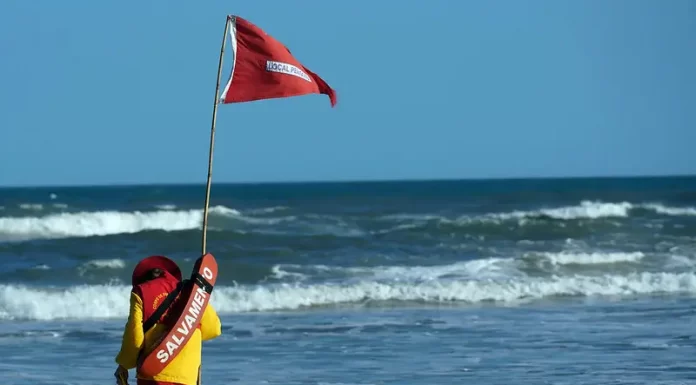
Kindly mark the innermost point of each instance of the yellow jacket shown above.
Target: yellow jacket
(184, 367)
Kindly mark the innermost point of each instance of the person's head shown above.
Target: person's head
(154, 267)
(154, 274)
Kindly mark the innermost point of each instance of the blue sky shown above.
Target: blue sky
(101, 92)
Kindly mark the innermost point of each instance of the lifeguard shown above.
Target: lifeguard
(185, 320)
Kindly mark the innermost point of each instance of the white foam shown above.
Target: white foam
(596, 209)
(267, 210)
(106, 301)
(31, 206)
(586, 210)
(478, 269)
(105, 264)
(676, 211)
(296, 296)
(578, 258)
(277, 272)
(82, 302)
(85, 224)
(488, 268)
(679, 262)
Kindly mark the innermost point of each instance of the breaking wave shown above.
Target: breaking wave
(579, 258)
(497, 280)
(93, 302)
(585, 210)
(86, 224)
(168, 218)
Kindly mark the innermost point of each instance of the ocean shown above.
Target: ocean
(547, 281)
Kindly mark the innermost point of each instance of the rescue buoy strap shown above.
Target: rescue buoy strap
(202, 282)
(152, 320)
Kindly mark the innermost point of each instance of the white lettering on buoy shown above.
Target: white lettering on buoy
(192, 315)
(162, 356)
(207, 273)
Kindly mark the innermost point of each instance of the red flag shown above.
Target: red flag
(264, 68)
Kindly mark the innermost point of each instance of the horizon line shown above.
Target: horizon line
(349, 181)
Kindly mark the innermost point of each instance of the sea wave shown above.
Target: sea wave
(584, 210)
(487, 280)
(86, 224)
(168, 218)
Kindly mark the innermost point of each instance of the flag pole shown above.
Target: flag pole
(212, 139)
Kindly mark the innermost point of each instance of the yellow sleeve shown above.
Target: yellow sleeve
(133, 335)
(210, 324)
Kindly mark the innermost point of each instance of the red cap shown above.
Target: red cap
(154, 262)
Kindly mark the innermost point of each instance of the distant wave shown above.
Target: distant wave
(31, 206)
(586, 210)
(101, 264)
(41, 206)
(85, 224)
(595, 258)
(168, 218)
(676, 211)
(544, 263)
(166, 207)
